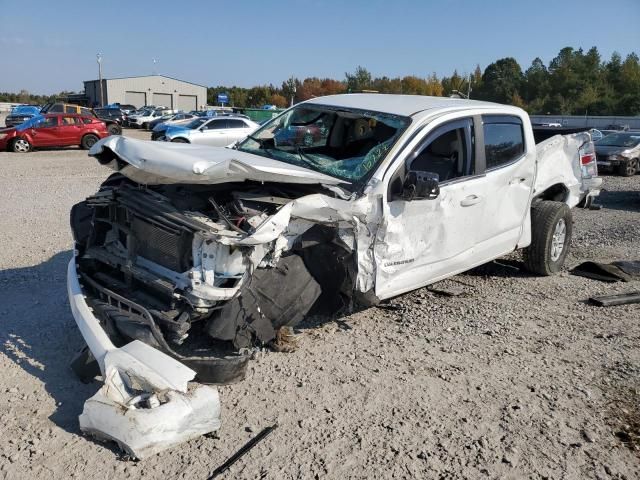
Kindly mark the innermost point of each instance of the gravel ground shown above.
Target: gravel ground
(516, 378)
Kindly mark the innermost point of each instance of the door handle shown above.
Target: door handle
(470, 200)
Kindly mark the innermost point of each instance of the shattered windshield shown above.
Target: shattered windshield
(619, 140)
(342, 143)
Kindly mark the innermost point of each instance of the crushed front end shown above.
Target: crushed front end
(204, 273)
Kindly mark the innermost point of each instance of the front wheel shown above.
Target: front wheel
(551, 227)
(88, 141)
(179, 140)
(145, 126)
(21, 145)
(629, 168)
(114, 129)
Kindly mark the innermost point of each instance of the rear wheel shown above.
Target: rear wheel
(551, 227)
(179, 140)
(145, 126)
(21, 145)
(88, 141)
(629, 168)
(114, 129)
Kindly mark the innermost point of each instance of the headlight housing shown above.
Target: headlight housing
(617, 157)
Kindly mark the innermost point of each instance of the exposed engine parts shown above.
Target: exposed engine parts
(175, 267)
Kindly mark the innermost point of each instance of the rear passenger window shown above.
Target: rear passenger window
(70, 109)
(236, 124)
(49, 122)
(503, 140)
(217, 125)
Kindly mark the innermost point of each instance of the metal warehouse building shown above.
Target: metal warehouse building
(148, 90)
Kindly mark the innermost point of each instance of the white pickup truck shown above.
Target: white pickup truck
(200, 252)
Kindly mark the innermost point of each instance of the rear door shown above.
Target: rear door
(46, 133)
(213, 133)
(70, 130)
(510, 171)
(237, 129)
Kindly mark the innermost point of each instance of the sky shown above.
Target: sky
(49, 46)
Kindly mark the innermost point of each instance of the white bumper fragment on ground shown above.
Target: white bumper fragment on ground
(145, 404)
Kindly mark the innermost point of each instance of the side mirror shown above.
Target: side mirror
(420, 186)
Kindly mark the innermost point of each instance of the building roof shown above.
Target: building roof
(147, 76)
(405, 105)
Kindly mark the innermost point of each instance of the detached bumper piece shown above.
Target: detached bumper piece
(146, 404)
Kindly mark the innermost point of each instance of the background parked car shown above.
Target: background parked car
(217, 131)
(159, 127)
(147, 116)
(21, 114)
(113, 127)
(53, 130)
(619, 151)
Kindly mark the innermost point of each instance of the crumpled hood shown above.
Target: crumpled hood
(152, 163)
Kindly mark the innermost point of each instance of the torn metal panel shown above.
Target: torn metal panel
(554, 169)
(152, 163)
(144, 404)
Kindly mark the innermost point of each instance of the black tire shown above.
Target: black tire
(114, 129)
(20, 145)
(543, 255)
(629, 168)
(179, 140)
(88, 141)
(145, 126)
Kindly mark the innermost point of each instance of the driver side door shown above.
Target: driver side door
(46, 133)
(422, 241)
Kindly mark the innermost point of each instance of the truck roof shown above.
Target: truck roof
(405, 105)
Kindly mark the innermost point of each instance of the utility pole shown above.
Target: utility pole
(469, 87)
(99, 58)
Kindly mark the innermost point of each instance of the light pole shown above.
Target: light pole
(99, 58)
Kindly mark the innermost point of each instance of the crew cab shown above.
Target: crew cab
(219, 131)
(203, 252)
(53, 130)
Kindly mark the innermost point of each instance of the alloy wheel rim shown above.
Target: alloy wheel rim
(22, 145)
(557, 241)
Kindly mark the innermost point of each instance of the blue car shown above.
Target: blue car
(21, 114)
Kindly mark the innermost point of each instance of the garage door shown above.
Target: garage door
(163, 100)
(187, 102)
(137, 99)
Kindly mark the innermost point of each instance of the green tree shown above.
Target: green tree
(501, 80)
(359, 80)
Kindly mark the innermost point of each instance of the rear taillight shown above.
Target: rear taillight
(588, 164)
(587, 159)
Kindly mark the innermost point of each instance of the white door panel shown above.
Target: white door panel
(423, 240)
(214, 138)
(508, 203)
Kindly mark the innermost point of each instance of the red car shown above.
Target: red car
(53, 130)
